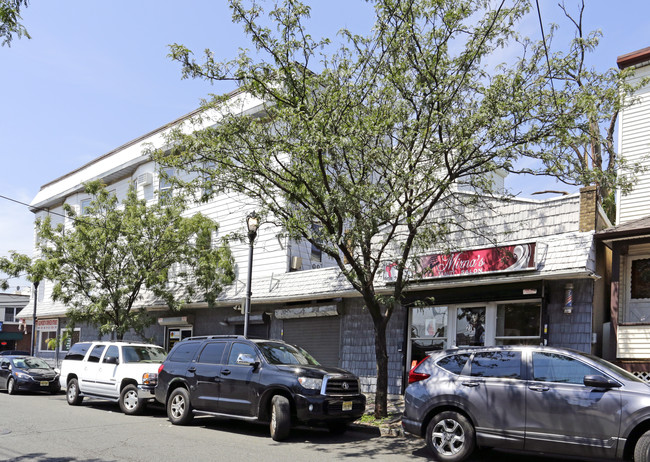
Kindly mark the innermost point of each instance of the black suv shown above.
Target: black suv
(258, 380)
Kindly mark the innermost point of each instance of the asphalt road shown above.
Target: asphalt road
(45, 428)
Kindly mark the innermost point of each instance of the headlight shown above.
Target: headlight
(149, 378)
(310, 383)
(22, 375)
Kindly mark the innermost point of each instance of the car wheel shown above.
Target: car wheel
(72, 393)
(11, 386)
(179, 409)
(451, 437)
(280, 418)
(129, 401)
(642, 448)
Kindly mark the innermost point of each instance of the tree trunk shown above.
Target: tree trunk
(381, 355)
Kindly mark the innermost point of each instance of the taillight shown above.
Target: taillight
(161, 368)
(417, 376)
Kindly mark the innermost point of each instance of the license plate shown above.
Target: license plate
(347, 405)
(44, 383)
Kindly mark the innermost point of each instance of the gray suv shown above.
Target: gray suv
(527, 398)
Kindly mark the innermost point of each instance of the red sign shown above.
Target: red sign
(494, 259)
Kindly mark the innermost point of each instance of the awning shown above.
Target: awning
(11, 336)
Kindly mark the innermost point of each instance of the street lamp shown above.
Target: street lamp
(253, 223)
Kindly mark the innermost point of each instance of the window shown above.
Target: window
(316, 253)
(70, 339)
(85, 204)
(10, 314)
(502, 364)
(553, 367)
(44, 342)
(640, 276)
(164, 184)
(470, 326)
(96, 353)
(428, 331)
(240, 348)
(518, 324)
(78, 351)
(111, 352)
(184, 352)
(454, 363)
(212, 353)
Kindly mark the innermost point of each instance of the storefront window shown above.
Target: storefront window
(44, 344)
(518, 323)
(428, 331)
(470, 326)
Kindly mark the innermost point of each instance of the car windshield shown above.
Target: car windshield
(281, 353)
(143, 354)
(30, 363)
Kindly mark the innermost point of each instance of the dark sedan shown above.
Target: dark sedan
(537, 399)
(27, 373)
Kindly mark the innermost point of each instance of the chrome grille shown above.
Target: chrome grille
(341, 386)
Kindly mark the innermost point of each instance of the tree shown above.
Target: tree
(595, 99)
(368, 138)
(114, 252)
(10, 20)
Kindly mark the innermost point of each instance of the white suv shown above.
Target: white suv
(122, 372)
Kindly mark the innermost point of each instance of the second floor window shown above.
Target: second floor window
(164, 184)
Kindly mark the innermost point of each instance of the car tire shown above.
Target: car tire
(11, 386)
(280, 424)
(130, 403)
(451, 437)
(72, 393)
(179, 409)
(642, 448)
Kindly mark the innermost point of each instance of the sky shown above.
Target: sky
(96, 74)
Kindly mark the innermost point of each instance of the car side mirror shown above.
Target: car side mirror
(245, 359)
(111, 360)
(599, 381)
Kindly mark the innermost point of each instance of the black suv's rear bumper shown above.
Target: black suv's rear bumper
(322, 409)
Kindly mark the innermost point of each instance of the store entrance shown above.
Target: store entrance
(175, 335)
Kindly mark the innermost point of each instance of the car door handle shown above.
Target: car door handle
(538, 388)
(471, 384)
(226, 372)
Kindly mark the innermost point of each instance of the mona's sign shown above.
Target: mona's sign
(470, 262)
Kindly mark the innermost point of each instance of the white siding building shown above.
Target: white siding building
(546, 293)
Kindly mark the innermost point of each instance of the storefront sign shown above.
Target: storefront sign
(47, 325)
(470, 262)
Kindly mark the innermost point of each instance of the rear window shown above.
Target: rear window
(77, 351)
(183, 352)
(454, 363)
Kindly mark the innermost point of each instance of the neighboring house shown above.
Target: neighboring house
(630, 239)
(531, 274)
(15, 334)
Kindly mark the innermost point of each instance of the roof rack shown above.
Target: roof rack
(204, 337)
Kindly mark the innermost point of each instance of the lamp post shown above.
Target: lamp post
(252, 223)
(33, 345)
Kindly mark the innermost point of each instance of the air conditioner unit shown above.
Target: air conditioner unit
(296, 263)
(144, 179)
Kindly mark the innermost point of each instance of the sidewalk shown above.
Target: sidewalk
(392, 426)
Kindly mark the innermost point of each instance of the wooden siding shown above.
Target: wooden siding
(633, 342)
(634, 146)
